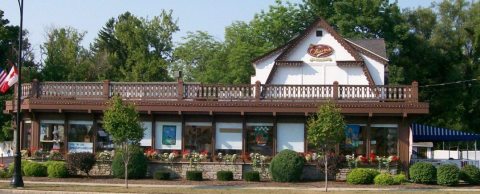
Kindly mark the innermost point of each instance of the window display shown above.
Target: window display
(80, 136)
(52, 135)
(260, 138)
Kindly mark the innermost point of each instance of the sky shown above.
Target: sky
(91, 15)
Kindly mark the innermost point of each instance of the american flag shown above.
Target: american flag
(3, 75)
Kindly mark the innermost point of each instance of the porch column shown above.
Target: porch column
(404, 144)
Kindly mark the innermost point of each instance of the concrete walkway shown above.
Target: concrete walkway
(216, 187)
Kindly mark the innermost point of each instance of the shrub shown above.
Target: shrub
(11, 167)
(384, 179)
(225, 175)
(361, 176)
(287, 166)
(399, 179)
(137, 166)
(448, 174)
(82, 161)
(4, 173)
(194, 175)
(161, 175)
(35, 169)
(470, 174)
(422, 172)
(57, 169)
(252, 176)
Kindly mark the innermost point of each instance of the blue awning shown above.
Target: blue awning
(423, 133)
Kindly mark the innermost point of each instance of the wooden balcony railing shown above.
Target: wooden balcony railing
(216, 92)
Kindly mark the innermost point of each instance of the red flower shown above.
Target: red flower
(373, 157)
(204, 152)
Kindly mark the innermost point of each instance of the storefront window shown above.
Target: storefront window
(80, 136)
(147, 134)
(229, 138)
(198, 138)
(383, 141)
(260, 139)
(104, 140)
(52, 135)
(168, 135)
(355, 140)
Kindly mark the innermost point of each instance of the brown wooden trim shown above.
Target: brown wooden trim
(154, 130)
(244, 135)
(35, 138)
(95, 131)
(214, 136)
(404, 144)
(275, 120)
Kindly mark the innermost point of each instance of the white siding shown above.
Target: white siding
(377, 70)
(263, 68)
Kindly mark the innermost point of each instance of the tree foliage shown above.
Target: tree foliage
(122, 122)
(326, 127)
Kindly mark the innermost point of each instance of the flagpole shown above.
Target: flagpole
(17, 180)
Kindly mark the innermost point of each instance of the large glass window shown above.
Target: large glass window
(104, 140)
(260, 138)
(168, 135)
(383, 140)
(80, 136)
(290, 136)
(147, 134)
(229, 138)
(355, 140)
(52, 134)
(198, 138)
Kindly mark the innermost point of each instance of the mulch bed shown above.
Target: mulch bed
(237, 183)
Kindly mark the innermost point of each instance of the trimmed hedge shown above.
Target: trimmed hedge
(225, 175)
(422, 172)
(5, 174)
(194, 175)
(11, 167)
(81, 161)
(35, 169)
(251, 176)
(399, 179)
(57, 169)
(287, 166)
(448, 174)
(362, 176)
(161, 175)
(137, 167)
(470, 174)
(384, 179)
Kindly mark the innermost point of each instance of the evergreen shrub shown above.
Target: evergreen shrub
(225, 175)
(384, 179)
(57, 169)
(287, 166)
(470, 174)
(35, 169)
(422, 172)
(194, 175)
(448, 174)
(361, 176)
(252, 176)
(161, 175)
(399, 179)
(137, 166)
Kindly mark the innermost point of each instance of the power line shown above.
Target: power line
(449, 83)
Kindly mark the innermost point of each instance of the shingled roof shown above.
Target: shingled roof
(376, 46)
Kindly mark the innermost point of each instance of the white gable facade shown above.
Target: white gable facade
(311, 70)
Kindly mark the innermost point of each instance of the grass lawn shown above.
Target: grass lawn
(198, 189)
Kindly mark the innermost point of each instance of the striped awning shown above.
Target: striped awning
(422, 133)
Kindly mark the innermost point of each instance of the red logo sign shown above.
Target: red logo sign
(320, 50)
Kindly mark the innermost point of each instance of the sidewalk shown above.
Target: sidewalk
(222, 187)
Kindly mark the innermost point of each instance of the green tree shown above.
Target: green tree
(129, 48)
(65, 58)
(325, 129)
(122, 122)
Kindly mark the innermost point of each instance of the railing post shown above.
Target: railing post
(335, 90)
(257, 90)
(180, 89)
(35, 88)
(414, 91)
(106, 89)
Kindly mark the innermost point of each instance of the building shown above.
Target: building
(265, 117)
